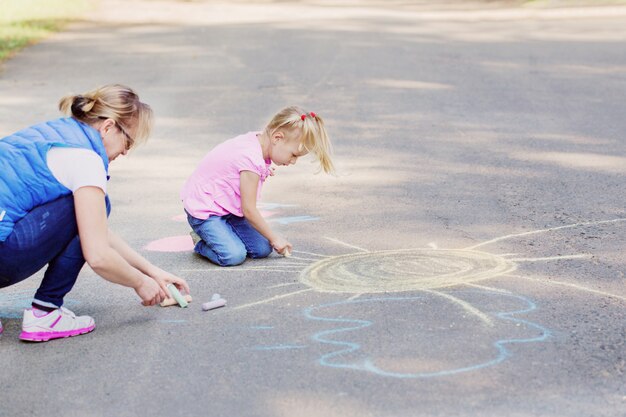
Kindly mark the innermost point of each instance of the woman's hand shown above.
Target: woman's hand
(150, 292)
(280, 245)
(163, 278)
(141, 265)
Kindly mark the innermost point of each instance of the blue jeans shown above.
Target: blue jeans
(227, 240)
(48, 234)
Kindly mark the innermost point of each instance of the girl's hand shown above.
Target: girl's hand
(280, 245)
(150, 292)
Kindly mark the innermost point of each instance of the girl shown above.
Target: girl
(54, 208)
(220, 196)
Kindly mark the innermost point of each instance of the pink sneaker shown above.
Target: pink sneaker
(54, 325)
(1, 329)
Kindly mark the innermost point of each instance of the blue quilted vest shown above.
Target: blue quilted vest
(25, 179)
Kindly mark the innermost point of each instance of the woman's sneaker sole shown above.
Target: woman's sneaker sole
(39, 326)
(45, 336)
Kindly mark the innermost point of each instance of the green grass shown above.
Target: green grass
(23, 22)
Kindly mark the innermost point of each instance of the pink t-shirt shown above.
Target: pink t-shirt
(213, 188)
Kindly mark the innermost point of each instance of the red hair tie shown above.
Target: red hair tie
(310, 114)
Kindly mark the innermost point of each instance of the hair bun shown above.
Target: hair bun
(88, 104)
(82, 105)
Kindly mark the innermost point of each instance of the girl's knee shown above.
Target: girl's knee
(224, 253)
(232, 258)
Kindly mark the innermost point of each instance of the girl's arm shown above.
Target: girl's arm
(101, 257)
(249, 182)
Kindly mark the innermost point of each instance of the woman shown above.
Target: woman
(54, 208)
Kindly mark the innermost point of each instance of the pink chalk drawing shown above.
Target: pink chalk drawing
(171, 244)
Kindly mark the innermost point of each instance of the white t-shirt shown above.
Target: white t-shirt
(77, 167)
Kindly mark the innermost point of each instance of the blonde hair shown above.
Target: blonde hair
(112, 101)
(314, 136)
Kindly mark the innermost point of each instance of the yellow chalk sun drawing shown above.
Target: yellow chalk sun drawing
(404, 270)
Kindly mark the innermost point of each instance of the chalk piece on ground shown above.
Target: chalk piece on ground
(172, 302)
(177, 295)
(213, 304)
(286, 253)
(216, 297)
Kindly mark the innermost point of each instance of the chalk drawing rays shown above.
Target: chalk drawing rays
(427, 269)
(576, 256)
(497, 353)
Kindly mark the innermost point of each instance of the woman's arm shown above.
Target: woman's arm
(139, 262)
(249, 182)
(102, 258)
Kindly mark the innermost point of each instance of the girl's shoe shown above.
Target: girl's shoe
(195, 237)
(54, 325)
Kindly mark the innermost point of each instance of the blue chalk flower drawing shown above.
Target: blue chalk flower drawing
(425, 277)
(345, 348)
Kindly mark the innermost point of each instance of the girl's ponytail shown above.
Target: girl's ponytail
(314, 136)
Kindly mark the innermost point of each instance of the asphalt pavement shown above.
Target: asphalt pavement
(466, 260)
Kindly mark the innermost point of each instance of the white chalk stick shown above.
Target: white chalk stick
(213, 304)
(286, 253)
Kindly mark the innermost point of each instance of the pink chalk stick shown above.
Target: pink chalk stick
(213, 304)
